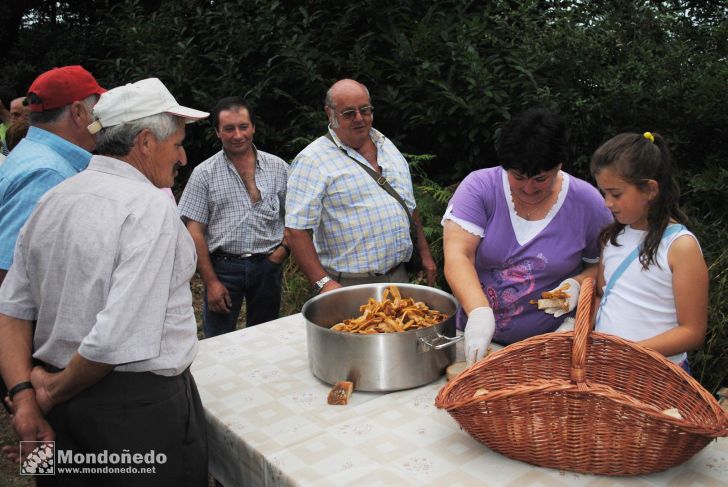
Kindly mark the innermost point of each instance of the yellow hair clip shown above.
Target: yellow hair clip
(649, 136)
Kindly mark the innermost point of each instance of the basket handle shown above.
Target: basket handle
(582, 328)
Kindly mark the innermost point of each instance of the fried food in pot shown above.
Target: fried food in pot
(391, 315)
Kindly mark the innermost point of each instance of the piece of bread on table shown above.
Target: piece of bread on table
(454, 369)
(340, 393)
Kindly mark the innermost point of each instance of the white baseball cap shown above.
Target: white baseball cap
(138, 100)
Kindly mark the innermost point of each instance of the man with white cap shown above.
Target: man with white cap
(103, 266)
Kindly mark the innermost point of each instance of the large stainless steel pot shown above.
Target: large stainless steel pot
(385, 361)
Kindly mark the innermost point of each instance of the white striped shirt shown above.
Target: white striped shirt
(103, 264)
(357, 225)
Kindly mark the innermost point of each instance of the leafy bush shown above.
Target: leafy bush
(444, 77)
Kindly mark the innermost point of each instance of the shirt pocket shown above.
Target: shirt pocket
(269, 207)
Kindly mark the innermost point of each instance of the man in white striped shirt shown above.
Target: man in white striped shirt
(344, 228)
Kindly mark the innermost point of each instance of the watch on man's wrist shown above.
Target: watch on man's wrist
(19, 387)
(322, 282)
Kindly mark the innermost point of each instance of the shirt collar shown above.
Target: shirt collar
(258, 159)
(377, 137)
(76, 156)
(111, 165)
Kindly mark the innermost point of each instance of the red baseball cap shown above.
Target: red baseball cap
(60, 87)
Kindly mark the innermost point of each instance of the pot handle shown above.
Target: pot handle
(436, 342)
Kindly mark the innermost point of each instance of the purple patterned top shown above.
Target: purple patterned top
(511, 272)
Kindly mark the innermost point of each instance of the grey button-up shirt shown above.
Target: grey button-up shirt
(216, 196)
(103, 264)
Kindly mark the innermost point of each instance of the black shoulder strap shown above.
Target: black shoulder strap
(381, 181)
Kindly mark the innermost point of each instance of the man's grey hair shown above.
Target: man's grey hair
(119, 139)
(53, 116)
(333, 121)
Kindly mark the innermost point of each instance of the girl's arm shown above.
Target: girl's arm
(590, 270)
(459, 248)
(690, 288)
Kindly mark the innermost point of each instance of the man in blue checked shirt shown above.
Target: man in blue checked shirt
(57, 147)
(343, 227)
(233, 207)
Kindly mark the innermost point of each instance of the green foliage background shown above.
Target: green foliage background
(444, 77)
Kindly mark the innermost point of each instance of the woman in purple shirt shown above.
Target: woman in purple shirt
(516, 230)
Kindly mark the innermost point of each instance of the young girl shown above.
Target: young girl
(652, 278)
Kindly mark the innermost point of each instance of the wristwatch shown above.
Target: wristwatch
(322, 282)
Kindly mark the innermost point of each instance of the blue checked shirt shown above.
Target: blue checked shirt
(357, 226)
(39, 162)
(216, 196)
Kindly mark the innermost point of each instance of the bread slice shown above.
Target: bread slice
(553, 303)
(340, 393)
(674, 412)
(480, 392)
(454, 369)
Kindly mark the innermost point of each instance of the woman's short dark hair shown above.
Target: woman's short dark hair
(534, 141)
(230, 103)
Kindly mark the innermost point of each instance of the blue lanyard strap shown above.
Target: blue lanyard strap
(670, 230)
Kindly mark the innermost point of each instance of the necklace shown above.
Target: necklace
(536, 208)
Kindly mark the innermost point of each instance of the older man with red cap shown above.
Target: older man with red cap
(56, 147)
(103, 267)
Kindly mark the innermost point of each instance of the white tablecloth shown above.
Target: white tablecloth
(269, 424)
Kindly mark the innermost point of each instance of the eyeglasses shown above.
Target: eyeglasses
(365, 111)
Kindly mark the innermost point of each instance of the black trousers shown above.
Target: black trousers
(159, 418)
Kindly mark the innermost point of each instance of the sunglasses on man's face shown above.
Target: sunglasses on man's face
(350, 114)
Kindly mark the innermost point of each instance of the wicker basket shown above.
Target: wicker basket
(585, 402)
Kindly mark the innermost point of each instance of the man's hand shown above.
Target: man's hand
(478, 333)
(41, 380)
(571, 287)
(279, 255)
(330, 286)
(429, 268)
(27, 419)
(218, 297)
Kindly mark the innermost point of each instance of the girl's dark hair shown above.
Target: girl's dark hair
(636, 159)
(533, 141)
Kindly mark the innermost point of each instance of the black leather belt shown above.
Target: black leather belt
(225, 255)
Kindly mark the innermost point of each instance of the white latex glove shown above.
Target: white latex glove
(567, 325)
(572, 291)
(478, 334)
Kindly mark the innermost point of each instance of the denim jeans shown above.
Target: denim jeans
(256, 280)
